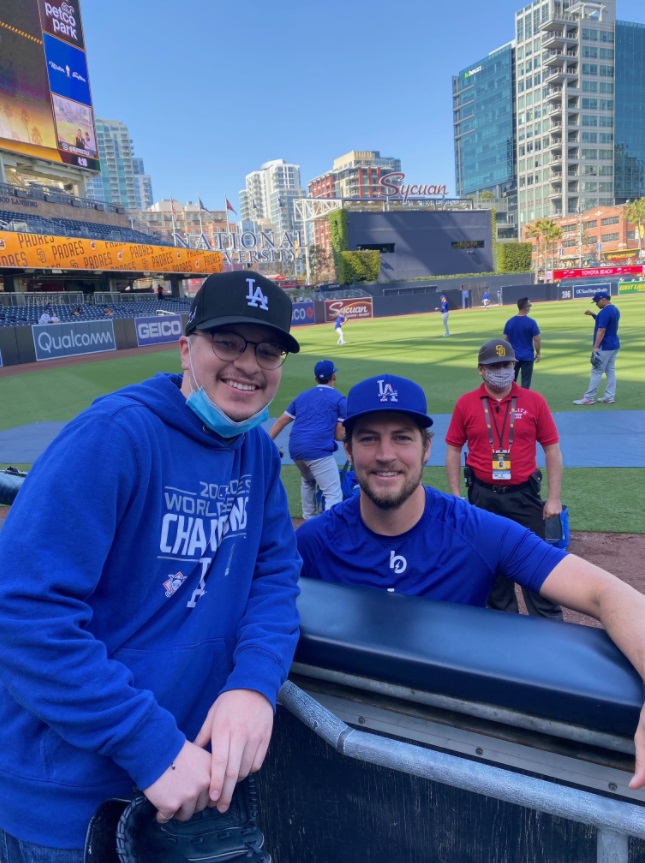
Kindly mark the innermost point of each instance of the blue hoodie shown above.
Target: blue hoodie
(147, 566)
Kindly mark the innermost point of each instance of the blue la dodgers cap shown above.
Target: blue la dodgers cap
(600, 295)
(324, 369)
(387, 393)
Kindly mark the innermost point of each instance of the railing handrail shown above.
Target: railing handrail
(610, 817)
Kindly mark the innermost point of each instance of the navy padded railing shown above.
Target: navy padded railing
(559, 671)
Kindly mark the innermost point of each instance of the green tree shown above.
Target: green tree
(321, 267)
(514, 257)
(361, 266)
(635, 215)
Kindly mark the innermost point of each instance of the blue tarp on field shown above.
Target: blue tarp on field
(588, 438)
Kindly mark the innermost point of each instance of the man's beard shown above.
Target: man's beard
(391, 501)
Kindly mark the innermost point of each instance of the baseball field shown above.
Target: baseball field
(603, 499)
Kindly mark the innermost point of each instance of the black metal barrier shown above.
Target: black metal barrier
(449, 733)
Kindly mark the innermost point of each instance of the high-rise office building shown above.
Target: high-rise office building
(269, 195)
(629, 144)
(116, 183)
(357, 174)
(579, 108)
(483, 97)
(142, 185)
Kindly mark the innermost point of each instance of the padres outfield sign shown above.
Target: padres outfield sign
(41, 251)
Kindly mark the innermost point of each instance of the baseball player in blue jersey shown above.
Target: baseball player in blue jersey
(606, 345)
(400, 536)
(317, 416)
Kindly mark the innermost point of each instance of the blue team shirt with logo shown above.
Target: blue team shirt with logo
(453, 553)
(520, 331)
(315, 413)
(608, 318)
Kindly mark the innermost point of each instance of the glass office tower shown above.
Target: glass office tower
(629, 144)
(578, 106)
(484, 133)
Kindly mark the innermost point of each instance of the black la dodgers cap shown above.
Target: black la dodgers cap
(242, 297)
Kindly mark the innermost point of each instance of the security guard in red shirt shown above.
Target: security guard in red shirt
(500, 422)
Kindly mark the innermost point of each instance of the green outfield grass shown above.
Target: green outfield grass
(411, 346)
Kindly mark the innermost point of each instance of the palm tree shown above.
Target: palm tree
(544, 231)
(551, 234)
(533, 231)
(635, 215)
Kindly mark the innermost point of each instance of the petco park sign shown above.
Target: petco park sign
(394, 186)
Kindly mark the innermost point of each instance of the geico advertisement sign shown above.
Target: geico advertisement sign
(361, 308)
(302, 313)
(53, 341)
(155, 331)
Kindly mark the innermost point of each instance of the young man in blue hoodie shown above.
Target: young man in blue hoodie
(161, 621)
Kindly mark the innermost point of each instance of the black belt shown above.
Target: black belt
(501, 489)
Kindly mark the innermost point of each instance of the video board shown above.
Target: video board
(45, 99)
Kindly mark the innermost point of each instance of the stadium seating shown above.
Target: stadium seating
(27, 316)
(75, 228)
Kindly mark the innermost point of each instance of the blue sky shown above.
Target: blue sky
(210, 89)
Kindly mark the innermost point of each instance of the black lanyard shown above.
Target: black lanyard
(500, 434)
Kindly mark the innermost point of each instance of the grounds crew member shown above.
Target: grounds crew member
(162, 620)
(317, 416)
(500, 423)
(524, 335)
(400, 536)
(606, 345)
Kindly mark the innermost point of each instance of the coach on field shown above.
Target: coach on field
(401, 536)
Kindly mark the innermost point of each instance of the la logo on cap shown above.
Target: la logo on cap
(386, 392)
(255, 298)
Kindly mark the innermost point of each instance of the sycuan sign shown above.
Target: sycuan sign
(394, 186)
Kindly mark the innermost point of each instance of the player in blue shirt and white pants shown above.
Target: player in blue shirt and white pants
(606, 345)
(317, 416)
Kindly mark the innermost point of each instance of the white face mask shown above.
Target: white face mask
(499, 379)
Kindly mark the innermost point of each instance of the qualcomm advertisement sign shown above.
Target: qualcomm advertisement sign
(53, 341)
(302, 313)
(157, 330)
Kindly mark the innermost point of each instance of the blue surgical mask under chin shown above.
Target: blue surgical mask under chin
(213, 416)
(216, 420)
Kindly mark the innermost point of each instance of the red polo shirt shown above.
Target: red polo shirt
(533, 423)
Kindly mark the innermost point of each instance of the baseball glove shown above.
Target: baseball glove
(596, 359)
(208, 835)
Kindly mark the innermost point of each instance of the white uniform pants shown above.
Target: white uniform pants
(321, 471)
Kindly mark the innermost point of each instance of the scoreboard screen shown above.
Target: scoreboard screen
(45, 99)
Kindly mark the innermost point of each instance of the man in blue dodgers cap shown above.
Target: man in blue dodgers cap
(606, 345)
(146, 647)
(401, 536)
(317, 416)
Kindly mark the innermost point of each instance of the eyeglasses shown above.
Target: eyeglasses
(230, 346)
